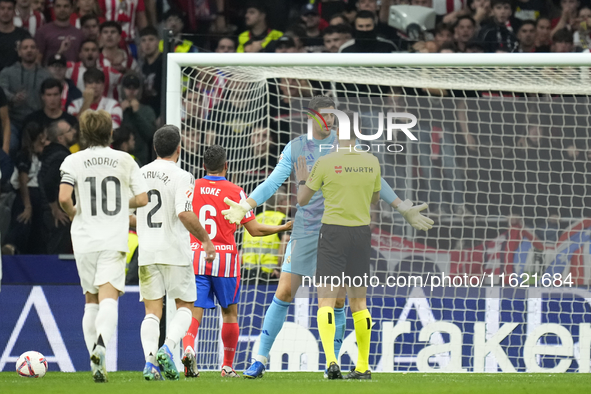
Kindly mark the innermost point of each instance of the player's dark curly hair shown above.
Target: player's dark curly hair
(214, 159)
(166, 140)
(320, 102)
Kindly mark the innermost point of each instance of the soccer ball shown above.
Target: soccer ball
(31, 365)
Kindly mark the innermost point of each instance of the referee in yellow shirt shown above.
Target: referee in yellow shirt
(350, 182)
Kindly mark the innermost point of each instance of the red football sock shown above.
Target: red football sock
(230, 332)
(189, 338)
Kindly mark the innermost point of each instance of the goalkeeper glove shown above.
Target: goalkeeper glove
(412, 215)
(237, 210)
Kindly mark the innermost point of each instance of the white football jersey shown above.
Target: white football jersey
(103, 179)
(163, 239)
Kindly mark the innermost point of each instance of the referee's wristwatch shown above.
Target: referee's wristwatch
(302, 183)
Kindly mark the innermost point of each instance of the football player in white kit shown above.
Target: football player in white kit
(165, 257)
(102, 179)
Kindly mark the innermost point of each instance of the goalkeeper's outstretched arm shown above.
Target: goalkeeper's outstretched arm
(263, 191)
(411, 214)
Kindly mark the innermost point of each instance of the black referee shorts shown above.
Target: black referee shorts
(343, 251)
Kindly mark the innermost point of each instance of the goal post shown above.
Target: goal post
(503, 159)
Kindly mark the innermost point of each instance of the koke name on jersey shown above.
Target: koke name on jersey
(210, 190)
(157, 175)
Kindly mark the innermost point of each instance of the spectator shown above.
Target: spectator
(89, 24)
(562, 41)
(59, 36)
(464, 30)
(137, 117)
(285, 44)
(335, 36)
(124, 140)
(89, 58)
(38, 5)
(26, 232)
(5, 122)
(51, 95)
(338, 19)
(258, 35)
(568, 16)
(61, 137)
(498, 33)
(10, 35)
(151, 68)
(86, 8)
(129, 14)
(543, 37)
(366, 39)
(174, 20)
(527, 36)
(527, 10)
(383, 29)
(226, 45)
(58, 67)
(111, 54)
(92, 98)
(297, 32)
(582, 37)
(314, 25)
(479, 10)
(264, 156)
(447, 47)
(21, 83)
(442, 35)
(262, 256)
(26, 17)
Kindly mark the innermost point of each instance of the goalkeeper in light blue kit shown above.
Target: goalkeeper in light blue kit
(300, 256)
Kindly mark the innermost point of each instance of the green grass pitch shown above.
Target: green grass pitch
(301, 383)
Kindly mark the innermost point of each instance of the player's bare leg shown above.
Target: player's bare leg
(150, 333)
(176, 329)
(230, 333)
(105, 323)
(189, 355)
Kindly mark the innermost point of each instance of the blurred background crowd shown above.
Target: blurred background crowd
(63, 57)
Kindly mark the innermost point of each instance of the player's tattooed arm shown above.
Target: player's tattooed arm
(257, 229)
(66, 201)
(138, 201)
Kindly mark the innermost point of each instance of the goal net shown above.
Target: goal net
(502, 158)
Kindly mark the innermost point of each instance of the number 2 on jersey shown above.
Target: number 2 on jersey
(213, 229)
(153, 211)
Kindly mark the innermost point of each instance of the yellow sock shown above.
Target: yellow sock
(362, 321)
(326, 328)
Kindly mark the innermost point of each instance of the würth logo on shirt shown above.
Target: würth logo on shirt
(358, 169)
(338, 169)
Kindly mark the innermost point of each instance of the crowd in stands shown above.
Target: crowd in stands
(63, 57)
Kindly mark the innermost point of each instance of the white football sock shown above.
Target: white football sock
(89, 325)
(178, 327)
(106, 320)
(150, 333)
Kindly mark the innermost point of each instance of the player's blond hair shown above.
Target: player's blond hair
(96, 127)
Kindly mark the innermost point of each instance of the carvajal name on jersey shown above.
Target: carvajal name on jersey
(210, 190)
(101, 161)
(157, 175)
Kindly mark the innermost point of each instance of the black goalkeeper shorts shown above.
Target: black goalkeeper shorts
(344, 251)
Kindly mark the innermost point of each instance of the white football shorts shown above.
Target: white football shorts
(97, 268)
(177, 281)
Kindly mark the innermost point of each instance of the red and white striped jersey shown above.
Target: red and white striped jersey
(444, 7)
(129, 62)
(30, 22)
(208, 204)
(113, 77)
(107, 104)
(124, 12)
